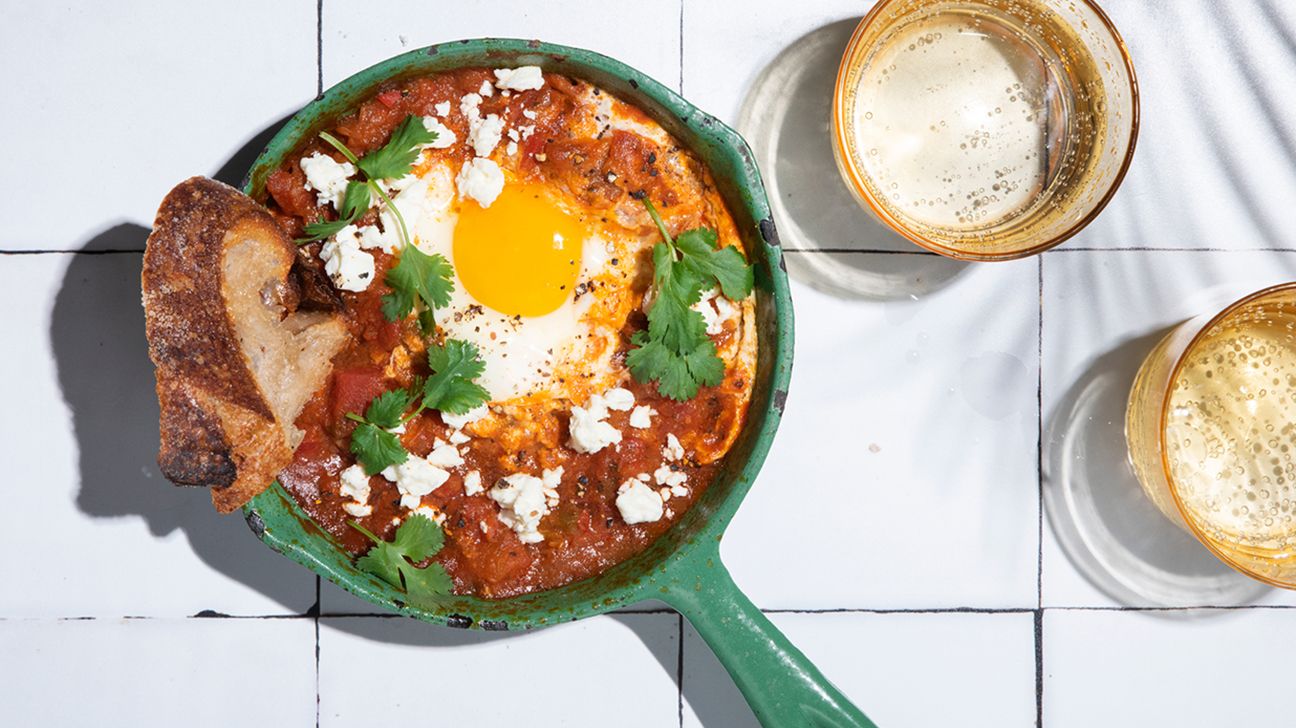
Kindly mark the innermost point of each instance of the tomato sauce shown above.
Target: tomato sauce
(584, 533)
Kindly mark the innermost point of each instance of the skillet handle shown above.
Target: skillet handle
(781, 685)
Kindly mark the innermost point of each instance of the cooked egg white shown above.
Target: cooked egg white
(518, 266)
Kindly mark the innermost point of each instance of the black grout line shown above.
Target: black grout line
(208, 614)
(681, 48)
(317, 610)
(679, 673)
(1039, 668)
(1039, 438)
(319, 47)
(48, 251)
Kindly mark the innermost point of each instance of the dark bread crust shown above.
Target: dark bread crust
(218, 428)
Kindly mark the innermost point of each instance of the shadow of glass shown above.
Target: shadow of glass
(1108, 528)
(786, 118)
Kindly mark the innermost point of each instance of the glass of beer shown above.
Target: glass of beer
(985, 129)
(1211, 428)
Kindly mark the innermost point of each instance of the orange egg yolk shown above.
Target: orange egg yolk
(521, 255)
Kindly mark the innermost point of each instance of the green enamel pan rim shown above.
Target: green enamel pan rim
(685, 558)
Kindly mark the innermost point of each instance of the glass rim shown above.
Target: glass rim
(855, 176)
(1163, 422)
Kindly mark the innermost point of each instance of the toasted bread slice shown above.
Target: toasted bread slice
(234, 365)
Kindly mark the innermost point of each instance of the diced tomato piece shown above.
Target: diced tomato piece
(390, 98)
(353, 389)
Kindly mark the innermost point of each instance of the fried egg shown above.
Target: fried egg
(533, 283)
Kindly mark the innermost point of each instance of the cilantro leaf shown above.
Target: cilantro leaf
(386, 409)
(417, 539)
(376, 448)
(675, 351)
(451, 387)
(725, 266)
(322, 229)
(418, 277)
(396, 158)
(355, 201)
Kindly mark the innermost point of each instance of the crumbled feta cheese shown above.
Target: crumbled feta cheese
(530, 114)
(444, 135)
(485, 135)
(511, 148)
(442, 108)
(354, 484)
(665, 476)
(486, 89)
(469, 106)
(458, 421)
(522, 504)
(371, 238)
(619, 399)
(358, 510)
(642, 416)
(473, 483)
(551, 480)
(715, 310)
(433, 514)
(327, 177)
(415, 478)
(638, 502)
(665, 494)
(445, 456)
(673, 450)
(481, 180)
(513, 134)
(525, 78)
(351, 268)
(458, 437)
(679, 490)
(589, 433)
(527, 131)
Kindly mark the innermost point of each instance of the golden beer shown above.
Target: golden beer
(1211, 427)
(985, 129)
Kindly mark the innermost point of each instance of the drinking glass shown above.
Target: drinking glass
(985, 129)
(1211, 429)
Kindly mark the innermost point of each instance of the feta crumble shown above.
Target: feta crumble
(670, 478)
(642, 416)
(415, 478)
(673, 450)
(486, 89)
(350, 268)
(442, 108)
(458, 422)
(589, 432)
(481, 180)
(358, 510)
(473, 483)
(619, 399)
(458, 437)
(715, 310)
(354, 484)
(444, 456)
(484, 135)
(327, 177)
(524, 500)
(530, 114)
(445, 136)
(638, 502)
(432, 513)
(524, 78)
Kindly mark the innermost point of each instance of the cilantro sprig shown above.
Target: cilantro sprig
(675, 350)
(417, 539)
(418, 281)
(451, 388)
(393, 160)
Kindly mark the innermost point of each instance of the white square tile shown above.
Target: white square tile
(904, 472)
(1103, 312)
(96, 530)
(153, 672)
(646, 37)
(1137, 669)
(1213, 165)
(136, 97)
(486, 679)
(725, 51)
(919, 670)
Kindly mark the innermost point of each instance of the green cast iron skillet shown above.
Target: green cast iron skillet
(682, 568)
